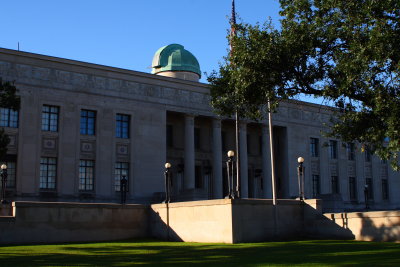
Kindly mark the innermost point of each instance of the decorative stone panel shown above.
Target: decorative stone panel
(315, 167)
(384, 172)
(13, 145)
(351, 169)
(49, 146)
(49, 143)
(334, 171)
(88, 149)
(368, 171)
(122, 151)
(88, 146)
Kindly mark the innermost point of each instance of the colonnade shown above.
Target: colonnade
(219, 156)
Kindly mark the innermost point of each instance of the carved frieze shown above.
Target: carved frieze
(4, 67)
(41, 73)
(63, 76)
(24, 71)
(184, 96)
(100, 82)
(115, 84)
(169, 93)
(79, 79)
(196, 97)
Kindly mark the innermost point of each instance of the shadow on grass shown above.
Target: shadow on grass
(173, 253)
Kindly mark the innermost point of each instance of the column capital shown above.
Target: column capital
(216, 122)
(190, 115)
(243, 124)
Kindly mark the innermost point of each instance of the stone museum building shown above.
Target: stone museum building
(83, 126)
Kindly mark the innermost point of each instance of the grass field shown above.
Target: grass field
(150, 252)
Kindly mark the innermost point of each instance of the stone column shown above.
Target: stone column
(244, 166)
(324, 168)
(393, 185)
(266, 162)
(217, 159)
(189, 175)
(360, 173)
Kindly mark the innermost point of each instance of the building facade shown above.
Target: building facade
(82, 127)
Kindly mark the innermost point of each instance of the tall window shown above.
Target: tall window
(385, 189)
(333, 149)
(8, 118)
(11, 173)
(88, 122)
(170, 136)
(367, 154)
(351, 151)
(352, 188)
(335, 184)
(314, 147)
(368, 182)
(86, 175)
(122, 127)
(121, 169)
(223, 141)
(48, 173)
(316, 185)
(50, 118)
(198, 182)
(197, 138)
(248, 143)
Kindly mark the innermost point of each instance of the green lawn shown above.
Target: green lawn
(125, 253)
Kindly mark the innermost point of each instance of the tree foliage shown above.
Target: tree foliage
(347, 52)
(8, 99)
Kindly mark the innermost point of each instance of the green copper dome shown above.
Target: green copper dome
(174, 57)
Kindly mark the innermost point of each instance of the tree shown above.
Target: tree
(344, 51)
(8, 99)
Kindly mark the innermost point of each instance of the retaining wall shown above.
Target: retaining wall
(36, 222)
(369, 226)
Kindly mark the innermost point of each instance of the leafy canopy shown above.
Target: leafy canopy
(8, 99)
(347, 52)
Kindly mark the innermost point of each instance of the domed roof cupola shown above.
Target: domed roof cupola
(175, 61)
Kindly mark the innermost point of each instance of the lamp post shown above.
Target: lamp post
(167, 174)
(366, 191)
(229, 169)
(123, 189)
(300, 177)
(3, 183)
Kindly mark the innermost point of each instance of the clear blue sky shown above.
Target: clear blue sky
(126, 33)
